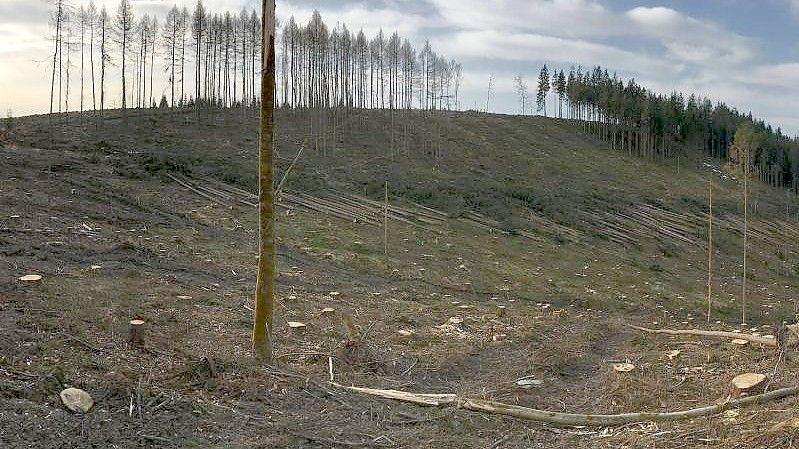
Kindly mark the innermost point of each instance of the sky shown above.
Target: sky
(742, 52)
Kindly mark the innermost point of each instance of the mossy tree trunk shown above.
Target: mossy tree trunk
(265, 286)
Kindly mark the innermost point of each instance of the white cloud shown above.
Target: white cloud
(689, 39)
(685, 38)
(785, 75)
(540, 48)
(356, 17)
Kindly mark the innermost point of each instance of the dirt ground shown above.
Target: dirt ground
(112, 247)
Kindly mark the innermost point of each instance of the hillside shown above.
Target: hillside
(573, 239)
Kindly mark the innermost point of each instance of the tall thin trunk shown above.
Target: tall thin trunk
(55, 52)
(150, 100)
(82, 46)
(60, 65)
(182, 64)
(709, 247)
(91, 61)
(69, 52)
(172, 64)
(103, 58)
(265, 285)
(746, 234)
(124, 62)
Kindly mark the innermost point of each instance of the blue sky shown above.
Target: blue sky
(742, 52)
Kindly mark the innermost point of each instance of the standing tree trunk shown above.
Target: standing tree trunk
(709, 246)
(103, 56)
(82, 22)
(153, 37)
(58, 21)
(69, 53)
(184, 22)
(746, 233)
(92, 17)
(265, 286)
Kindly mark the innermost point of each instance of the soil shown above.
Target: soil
(114, 243)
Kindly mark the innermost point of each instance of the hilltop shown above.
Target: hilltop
(123, 215)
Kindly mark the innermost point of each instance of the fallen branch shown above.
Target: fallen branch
(413, 398)
(566, 419)
(279, 188)
(722, 334)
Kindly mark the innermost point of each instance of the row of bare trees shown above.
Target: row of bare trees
(95, 35)
(319, 66)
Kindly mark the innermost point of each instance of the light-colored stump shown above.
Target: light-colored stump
(623, 367)
(136, 332)
(747, 383)
(31, 278)
(296, 327)
(501, 311)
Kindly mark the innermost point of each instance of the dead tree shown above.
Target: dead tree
(58, 20)
(124, 28)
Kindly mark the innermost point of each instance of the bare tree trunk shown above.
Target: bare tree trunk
(265, 286)
(124, 61)
(184, 23)
(746, 234)
(566, 419)
(69, 51)
(385, 224)
(172, 62)
(709, 247)
(150, 100)
(82, 19)
(103, 57)
(92, 17)
(58, 19)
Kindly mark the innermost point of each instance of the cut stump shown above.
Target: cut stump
(136, 332)
(296, 327)
(746, 383)
(501, 311)
(31, 278)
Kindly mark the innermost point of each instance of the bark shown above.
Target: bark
(265, 286)
(568, 419)
(709, 248)
(58, 20)
(722, 334)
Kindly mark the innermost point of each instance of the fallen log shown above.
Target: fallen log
(566, 419)
(698, 332)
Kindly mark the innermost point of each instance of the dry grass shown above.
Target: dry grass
(567, 302)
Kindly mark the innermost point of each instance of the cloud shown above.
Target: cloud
(785, 75)
(688, 39)
(360, 16)
(685, 38)
(490, 44)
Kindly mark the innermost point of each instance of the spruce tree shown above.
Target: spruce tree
(543, 90)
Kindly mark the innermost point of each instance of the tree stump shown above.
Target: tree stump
(746, 383)
(136, 336)
(501, 311)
